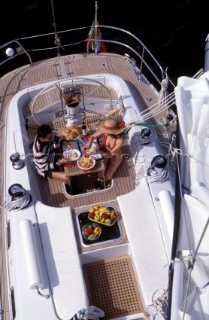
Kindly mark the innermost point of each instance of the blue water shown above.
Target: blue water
(174, 31)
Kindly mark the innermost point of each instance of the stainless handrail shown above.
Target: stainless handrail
(145, 53)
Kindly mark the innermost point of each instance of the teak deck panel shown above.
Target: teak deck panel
(112, 287)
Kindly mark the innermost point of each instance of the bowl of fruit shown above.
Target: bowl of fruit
(91, 231)
(103, 215)
(86, 163)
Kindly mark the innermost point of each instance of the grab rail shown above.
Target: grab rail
(144, 57)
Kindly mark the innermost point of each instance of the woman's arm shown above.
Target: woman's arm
(91, 139)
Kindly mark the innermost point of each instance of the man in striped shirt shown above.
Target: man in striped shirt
(45, 157)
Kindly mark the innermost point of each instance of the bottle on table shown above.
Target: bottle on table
(84, 130)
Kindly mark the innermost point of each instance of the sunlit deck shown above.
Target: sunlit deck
(52, 191)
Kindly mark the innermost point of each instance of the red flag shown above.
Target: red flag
(95, 41)
(100, 44)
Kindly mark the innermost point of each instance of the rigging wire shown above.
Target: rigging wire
(57, 38)
(164, 104)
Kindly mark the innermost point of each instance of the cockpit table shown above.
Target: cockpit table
(72, 169)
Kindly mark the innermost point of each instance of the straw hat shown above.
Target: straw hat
(111, 126)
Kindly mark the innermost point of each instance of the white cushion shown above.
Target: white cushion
(146, 245)
(62, 260)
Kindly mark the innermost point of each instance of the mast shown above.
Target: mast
(206, 62)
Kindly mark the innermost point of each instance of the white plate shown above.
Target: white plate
(72, 154)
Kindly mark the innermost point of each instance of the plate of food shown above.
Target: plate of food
(86, 162)
(72, 154)
(91, 231)
(106, 216)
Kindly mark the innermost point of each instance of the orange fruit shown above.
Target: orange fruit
(91, 210)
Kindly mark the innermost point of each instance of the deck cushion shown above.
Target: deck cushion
(147, 246)
(62, 260)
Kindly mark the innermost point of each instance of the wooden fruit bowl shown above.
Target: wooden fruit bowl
(103, 215)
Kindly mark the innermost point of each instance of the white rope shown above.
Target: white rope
(170, 98)
(160, 177)
(17, 204)
(158, 107)
(165, 102)
(161, 303)
(140, 174)
(90, 313)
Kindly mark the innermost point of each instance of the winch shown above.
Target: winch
(158, 164)
(17, 163)
(145, 136)
(20, 198)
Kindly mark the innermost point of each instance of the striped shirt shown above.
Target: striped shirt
(44, 154)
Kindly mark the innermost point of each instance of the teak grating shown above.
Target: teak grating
(112, 287)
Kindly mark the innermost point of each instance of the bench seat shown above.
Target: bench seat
(62, 260)
(147, 248)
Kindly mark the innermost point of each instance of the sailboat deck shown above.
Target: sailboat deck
(52, 192)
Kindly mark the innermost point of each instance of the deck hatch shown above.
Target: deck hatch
(112, 287)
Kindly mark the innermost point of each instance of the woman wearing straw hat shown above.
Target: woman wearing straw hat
(111, 149)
